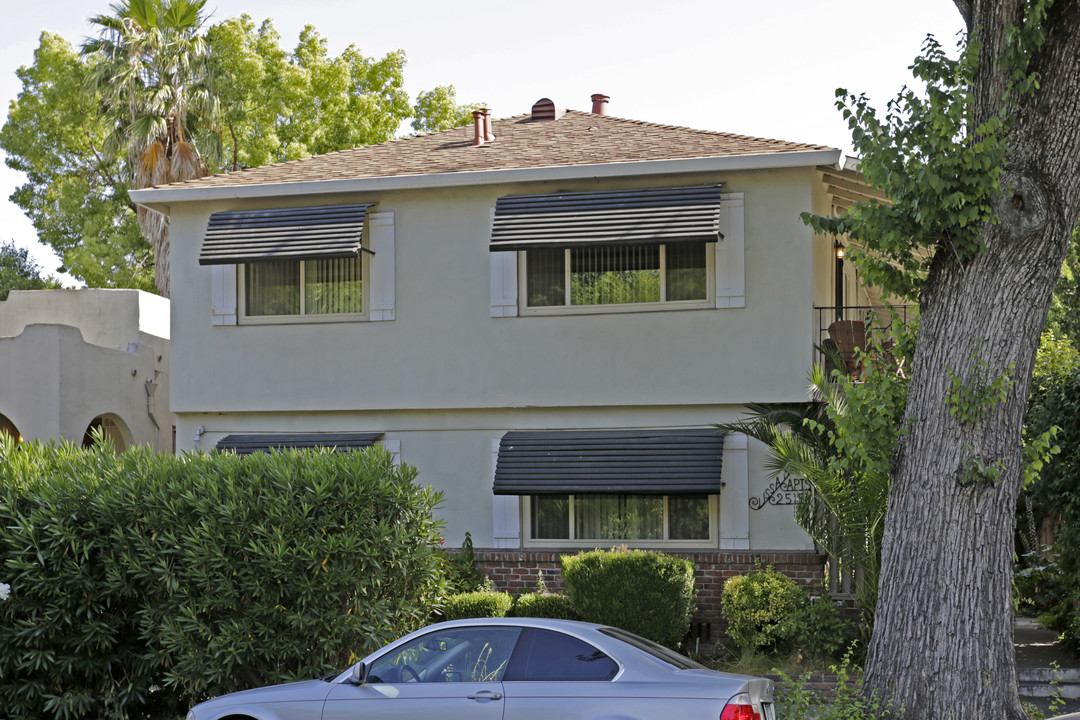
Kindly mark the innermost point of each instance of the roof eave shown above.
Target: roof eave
(161, 199)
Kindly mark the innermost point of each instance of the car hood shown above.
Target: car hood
(304, 690)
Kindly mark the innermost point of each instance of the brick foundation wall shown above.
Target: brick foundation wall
(516, 571)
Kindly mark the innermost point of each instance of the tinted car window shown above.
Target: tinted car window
(549, 655)
(657, 651)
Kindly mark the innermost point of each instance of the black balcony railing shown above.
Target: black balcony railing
(845, 329)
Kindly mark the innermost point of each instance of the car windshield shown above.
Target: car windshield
(657, 651)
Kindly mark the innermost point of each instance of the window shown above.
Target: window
(472, 654)
(657, 651)
(303, 288)
(546, 655)
(619, 275)
(627, 517)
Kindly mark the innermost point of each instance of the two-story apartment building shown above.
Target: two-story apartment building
(545, 314)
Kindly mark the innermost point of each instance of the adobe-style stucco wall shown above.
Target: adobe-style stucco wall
(68, 356)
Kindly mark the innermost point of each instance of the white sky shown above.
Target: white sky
(767, 68)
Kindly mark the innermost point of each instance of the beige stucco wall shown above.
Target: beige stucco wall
(69, 356)
(444, 350)
(444, 379)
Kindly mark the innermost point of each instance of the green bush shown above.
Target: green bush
(542, 605)
(200, 574)
(757, 607)
(801, 701)
(647, 593)
(460, 569)
(818, 630)
(478, 604)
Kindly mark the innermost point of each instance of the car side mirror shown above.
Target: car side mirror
(360, 673)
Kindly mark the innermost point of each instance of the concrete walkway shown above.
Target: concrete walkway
(1043, 668)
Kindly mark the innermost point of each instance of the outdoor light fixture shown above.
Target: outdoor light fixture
(839, 251)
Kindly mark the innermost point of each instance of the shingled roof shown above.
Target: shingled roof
(576, 138)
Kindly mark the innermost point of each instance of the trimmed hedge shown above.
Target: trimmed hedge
(647, 593)
(478, 604)
(542, 605)
(200, 574)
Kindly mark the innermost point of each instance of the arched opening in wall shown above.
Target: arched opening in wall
(8, 428)
(112, 427)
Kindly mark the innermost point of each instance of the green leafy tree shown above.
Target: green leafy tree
(437, 109)
(76, 192)
(18, 271)
(154, 99)
(1065, 311)
(985, 186)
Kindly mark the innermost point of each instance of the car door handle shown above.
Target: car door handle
(485, 695)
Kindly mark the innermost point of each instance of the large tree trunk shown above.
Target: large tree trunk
(942, 642)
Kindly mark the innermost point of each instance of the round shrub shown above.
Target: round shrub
(757, 607)
(541, 605)
(478, 604)
(647, 593)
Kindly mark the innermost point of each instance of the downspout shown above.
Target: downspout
(150, 386)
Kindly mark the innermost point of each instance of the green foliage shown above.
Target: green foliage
(1054, 407)
(758, 607)
(801, 702)
(545, 605)
(843, 443)
(200, 574)
(460, 570)
(18, 271)
(76, 190)
(647, 593)
(478, 604)
(259, 104)
(437, 109)
(818, 630)
(1064, 318)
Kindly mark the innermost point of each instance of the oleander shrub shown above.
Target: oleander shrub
(757, 607)
(545, 605)
(200, 574)
(648, 593)
(477, 604)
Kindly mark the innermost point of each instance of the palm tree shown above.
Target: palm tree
(152, 73)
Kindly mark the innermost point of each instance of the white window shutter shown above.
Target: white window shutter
(504, 284)
(394, 448)
(223, 294)
(506, 511)
(731, 254)
(381, 275)
(735, 499)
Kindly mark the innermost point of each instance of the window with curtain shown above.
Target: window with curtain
(617, 275)
(620, 517)
(332, 286)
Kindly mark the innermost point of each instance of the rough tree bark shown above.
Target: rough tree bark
(942, 642)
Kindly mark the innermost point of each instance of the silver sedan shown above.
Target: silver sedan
(511, 669)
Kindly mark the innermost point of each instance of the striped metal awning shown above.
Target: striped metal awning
(265, 442)
(663, 462)
(618, 217)
(296, 233)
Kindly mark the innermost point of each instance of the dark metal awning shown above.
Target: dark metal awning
(619, 217)
(610, 461)
(265, 442)
(296, 233)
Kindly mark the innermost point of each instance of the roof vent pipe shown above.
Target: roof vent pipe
(478, 126)
(489, 133)
(599, 104)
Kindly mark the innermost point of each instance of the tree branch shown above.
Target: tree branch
(965, 8)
